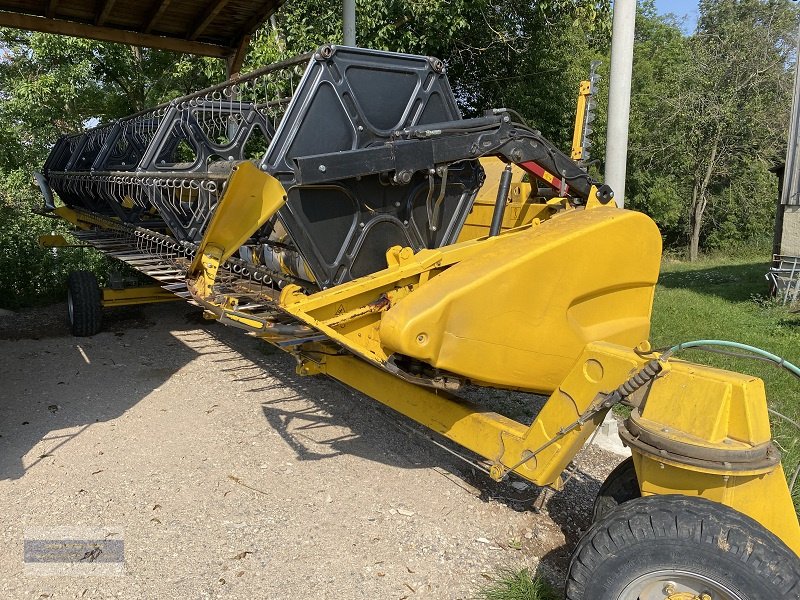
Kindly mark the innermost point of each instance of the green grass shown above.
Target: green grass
(726, 298)
(518, 585)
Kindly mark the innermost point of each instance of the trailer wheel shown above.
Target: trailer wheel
(676, 548)
(620, 486)
(84, 303)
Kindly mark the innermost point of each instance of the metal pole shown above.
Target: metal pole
(791, 172)
(349, 22)
(619, 96)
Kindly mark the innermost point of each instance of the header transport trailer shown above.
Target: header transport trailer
(337, 206)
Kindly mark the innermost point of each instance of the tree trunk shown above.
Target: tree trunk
(700, 200)
(695, 223)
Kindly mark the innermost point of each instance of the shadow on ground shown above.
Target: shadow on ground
(53, 391)
(320, 418)
(317, 417)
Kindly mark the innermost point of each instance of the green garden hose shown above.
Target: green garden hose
(758, 352)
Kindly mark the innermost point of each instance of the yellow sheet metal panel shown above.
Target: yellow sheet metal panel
(53, 241)
(471, 426)
(325, 310)
(519, 313)
(601, 367)
(493, 169)
(150, 294)
(764, 497)
(707, 407)
(251, 197)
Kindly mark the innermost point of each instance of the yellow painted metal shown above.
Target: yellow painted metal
(711, 413)
(524, 309)
(149, 294)
(765, 497)
(541, 452)
(424, 305)
(81, 219)
(520, 311)
(53, 241)
(478, 430)
(719, 409)
(251, 197)
(522, 208)
(580, 114)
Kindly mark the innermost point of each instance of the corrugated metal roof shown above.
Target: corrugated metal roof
(206, 27)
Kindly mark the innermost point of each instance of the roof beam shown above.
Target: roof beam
(51, 9)
(266, 10)
(162, 6)
(108, 34)
(107, 6)
(211, 12)
(235, 60)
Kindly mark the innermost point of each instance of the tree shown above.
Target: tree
(737, 110)
(711, 110)
(527, 56)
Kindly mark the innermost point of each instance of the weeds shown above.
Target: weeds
(518, 585)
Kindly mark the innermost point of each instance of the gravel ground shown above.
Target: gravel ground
(231, 477)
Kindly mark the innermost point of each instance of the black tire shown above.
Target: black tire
(619, 487)
(694, 544)
(84, 303)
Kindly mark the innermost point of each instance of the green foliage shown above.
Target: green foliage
(529, 57)
(518, 585)
(31, 274)
(725, 87)
(709, 115)
(52, 85)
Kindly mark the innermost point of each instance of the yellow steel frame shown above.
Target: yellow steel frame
(707, 431)
(541, 452)
(522, 207)
(580, 115)
(147, 294)
(518, 310)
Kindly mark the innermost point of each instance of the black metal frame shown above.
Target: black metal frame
(370, 147)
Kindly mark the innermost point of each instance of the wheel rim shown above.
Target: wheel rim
(677, 585)
(70, 307)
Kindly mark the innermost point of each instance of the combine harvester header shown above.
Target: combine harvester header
(337, 206)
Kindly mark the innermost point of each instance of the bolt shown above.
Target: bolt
(322, 168)
(669, 589)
